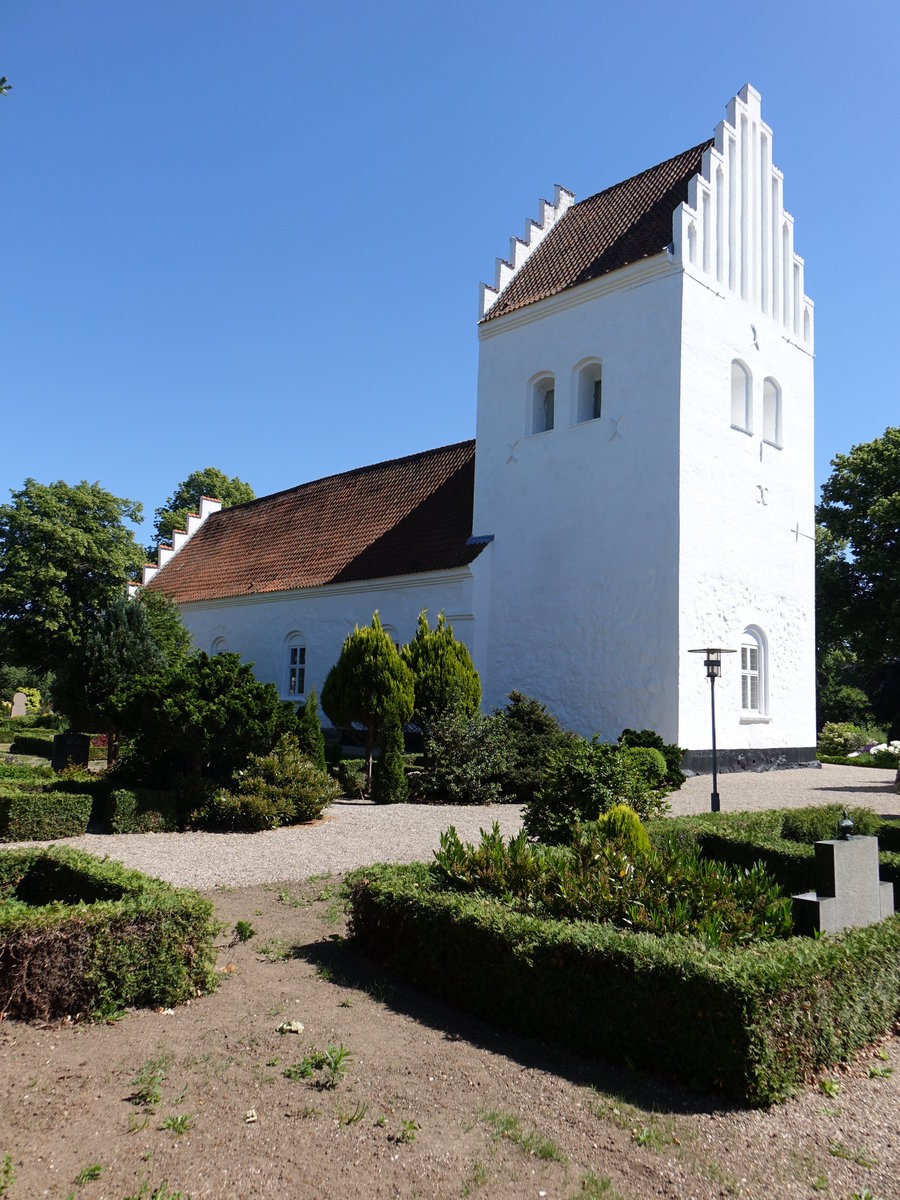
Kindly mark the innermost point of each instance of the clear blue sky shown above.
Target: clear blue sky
(249, 233)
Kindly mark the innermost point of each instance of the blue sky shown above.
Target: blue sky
(250, 234)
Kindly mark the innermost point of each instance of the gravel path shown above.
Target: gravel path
(354, 833)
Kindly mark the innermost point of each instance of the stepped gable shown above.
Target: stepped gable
(400, 517)
(627, 222)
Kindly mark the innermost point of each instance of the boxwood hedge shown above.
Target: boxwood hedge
(745, 838)
(29, 813)
(84, 937)
(754, 1022)
(142, 810)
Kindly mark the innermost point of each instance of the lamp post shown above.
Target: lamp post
(713, 664)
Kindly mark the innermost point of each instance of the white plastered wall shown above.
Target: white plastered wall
(580, 607)
(258, 627)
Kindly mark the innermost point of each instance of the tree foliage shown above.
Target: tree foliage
(65, 556)
(213, 711)
(168, 629)
(858, 565)
(117, 646)
(309, 730)
(443, 673)
(209, 482)
(367, 682)
(389, 785)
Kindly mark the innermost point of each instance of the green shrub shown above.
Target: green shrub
(809, 825)
(663, 891)
(31, 816)
(531, 732)
(465, 760)
(83, 937)
(840, 737)
(142, 810)
(309, 731)
(37, 743)
(672, 754)
(389, 785)
(753, 1022)
(622, 824)
(351, 777)
(583, 779)
(282, 787)
(885, 758)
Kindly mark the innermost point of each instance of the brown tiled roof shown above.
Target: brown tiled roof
(395, 518)
(627, 222)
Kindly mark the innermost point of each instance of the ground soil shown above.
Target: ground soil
(433, 1103)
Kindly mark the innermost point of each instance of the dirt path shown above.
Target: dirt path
(432, 1103)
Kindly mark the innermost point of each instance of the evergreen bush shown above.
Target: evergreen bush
(465, 760)
(309, 730)
(622, 824)
(444, 677)
(673, 754)
(531, 733)
(389, 785)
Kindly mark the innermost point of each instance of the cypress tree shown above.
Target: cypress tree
(309, 730)
(389, 785)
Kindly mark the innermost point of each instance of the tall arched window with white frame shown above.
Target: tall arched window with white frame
(772, 412)
(543, 402)
(741, 397)
(589, 391)
(754, 674)
(294, 656)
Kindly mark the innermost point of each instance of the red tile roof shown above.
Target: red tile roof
(401, 517)
(627, 222)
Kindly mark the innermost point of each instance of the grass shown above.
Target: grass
(178, 1125)
(7, 1174)
(476, 1178)
(596, 1187)
(647, 1128)
(839, 1150)
(148, 1081)
(507, 1126)
(354, 1116)
(87, 1174)
(331, 1062)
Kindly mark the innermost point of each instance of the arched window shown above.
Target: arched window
(741, 398)
(543, 398)
(754, 674)
(772, 413)
(219, 646)
(589, 392)
(294, 680)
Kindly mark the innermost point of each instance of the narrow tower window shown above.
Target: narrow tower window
(542, 405)
(589, 392)
(741, 398)
(772, 413)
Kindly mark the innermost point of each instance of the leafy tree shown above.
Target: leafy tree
(389, 785)
(367, 682)
(444, 675)
(168, 629)
(65, 556)
(5, 86)
(117, 646)
(858, 565)
(209, 482)
(309, 730)
(212, 711)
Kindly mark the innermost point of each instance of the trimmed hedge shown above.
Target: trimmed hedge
(754, 1023)
(745, 838)
(83, 937)
(142, 810)
(31, 815)
(36, 742)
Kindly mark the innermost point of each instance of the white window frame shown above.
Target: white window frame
(772, 412)
(741, 397)
(543, 405)
(754, 647)
(295, 667)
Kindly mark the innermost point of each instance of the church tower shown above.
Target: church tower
(644, 456)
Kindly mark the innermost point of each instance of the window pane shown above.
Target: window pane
(754, 658)
(301, 652)
(598, 388)
(745, 694)
(754, 692)
(293, 656)
(292, 683)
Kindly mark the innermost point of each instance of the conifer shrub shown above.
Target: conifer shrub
(622, 824)
(389, 785)
(82, 937)
(283, 787)
(444, 676)
(531, 732)
(466, 760)
(351, 776)
(310, 738)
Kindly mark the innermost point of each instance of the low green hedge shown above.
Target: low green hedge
(36, 742)
(745, 838)
(84, 937)
(142, 810)
(31, 815)
(754, 1022)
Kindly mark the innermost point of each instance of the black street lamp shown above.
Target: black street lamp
(713, 664)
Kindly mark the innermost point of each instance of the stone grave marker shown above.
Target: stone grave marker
(848, 889)
(19, 705)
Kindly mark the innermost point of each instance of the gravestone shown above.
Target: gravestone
(70, 750)
(19, 705)
(848, 890)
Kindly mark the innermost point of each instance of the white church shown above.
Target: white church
(640, 483)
